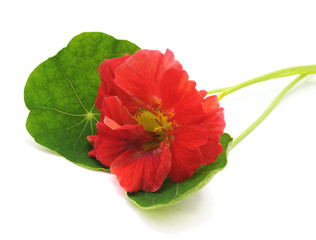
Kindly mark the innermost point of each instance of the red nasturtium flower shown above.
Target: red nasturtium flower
(153, 122)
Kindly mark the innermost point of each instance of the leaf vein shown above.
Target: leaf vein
(72, 87)
(177, 190)
(92, 107)
(84, 128)
(66, 129)
(59, 111)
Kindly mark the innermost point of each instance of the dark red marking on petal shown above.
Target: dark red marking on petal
(110, 143)
(138, 169)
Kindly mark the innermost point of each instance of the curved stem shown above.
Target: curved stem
(268, 110)
(309, 69)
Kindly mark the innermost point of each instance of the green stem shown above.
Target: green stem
(268, 110)
(302, 70)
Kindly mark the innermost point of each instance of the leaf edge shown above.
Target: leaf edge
(191, 191)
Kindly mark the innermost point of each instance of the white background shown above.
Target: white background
(267, 190)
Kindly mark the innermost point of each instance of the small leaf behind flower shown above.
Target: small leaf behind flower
(171, 192)
(61, 91)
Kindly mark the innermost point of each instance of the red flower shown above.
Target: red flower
(153, 122)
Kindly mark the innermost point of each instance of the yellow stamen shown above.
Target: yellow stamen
(154, 122)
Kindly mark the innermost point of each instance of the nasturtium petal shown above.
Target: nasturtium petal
(60, 94)
(171, 192)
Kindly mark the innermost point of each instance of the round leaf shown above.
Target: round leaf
(61, 92)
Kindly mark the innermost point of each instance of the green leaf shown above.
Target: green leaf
(61, 92)
(172, 192)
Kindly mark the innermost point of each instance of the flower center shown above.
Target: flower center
(157, 126)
